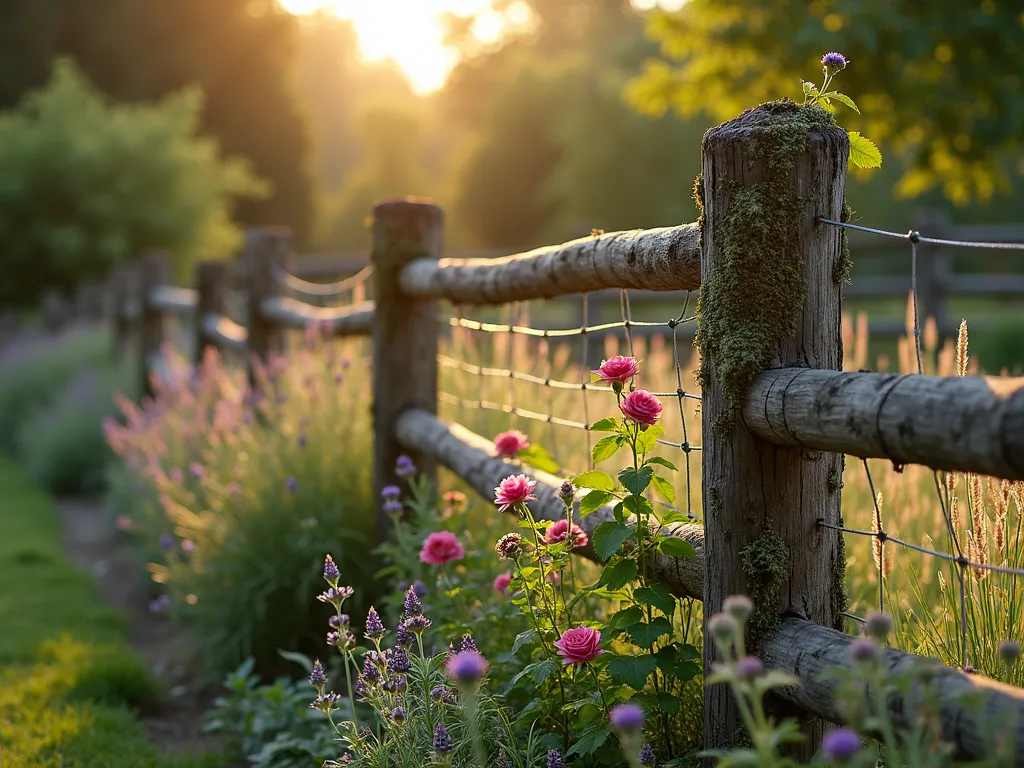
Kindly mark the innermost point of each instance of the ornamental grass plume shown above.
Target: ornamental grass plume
(514, 490)
(441, 547)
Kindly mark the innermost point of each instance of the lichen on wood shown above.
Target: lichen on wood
(766, 565)
(755, 294)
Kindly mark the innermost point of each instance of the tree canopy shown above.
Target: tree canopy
(926, 76)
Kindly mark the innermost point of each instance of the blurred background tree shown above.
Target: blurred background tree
(85, 183)
(925, 76)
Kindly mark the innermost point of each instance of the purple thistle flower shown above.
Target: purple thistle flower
(331, 572)
(291, 483)
(413, 606)
(646, 755)
(317, 677)
(878, 625)
(554, 758)
(834, 60)
(628, 717)
(443, 743)
(864, 651)
(748, 668)
(374, 626)
(466, 667)
(392, 506)
(391, 492)
(419, 588)
(399, 661)
(398, 714)
(840, 745)
(404, 466)
(166, 541)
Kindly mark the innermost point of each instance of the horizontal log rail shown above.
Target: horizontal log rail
(665, 259)
(226, 332)
(169, 298)
(356, 320)
(472, 458)
(969, 424)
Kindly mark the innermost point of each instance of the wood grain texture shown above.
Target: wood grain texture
(665, 259)
(472, 458)
(970, 424)
(405, 331)
(809, 651)
(750, 486)
(356, 320)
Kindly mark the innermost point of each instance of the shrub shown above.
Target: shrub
(85, 183)
(235, 496)
(62, 445)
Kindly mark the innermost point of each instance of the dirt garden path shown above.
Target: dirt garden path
(92, 541)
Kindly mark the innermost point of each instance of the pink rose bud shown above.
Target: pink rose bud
(501, 583)
(642, 407)
(579, 645)
(509, 444)
(441, 547)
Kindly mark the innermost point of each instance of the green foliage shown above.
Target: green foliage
(257, 494)
(67, 678)
(721, 57)
(766, 565)
(85, 183)
(62, 445)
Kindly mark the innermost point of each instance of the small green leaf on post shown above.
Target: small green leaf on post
(609, 537)
(604, 425)
(606, 447)
(843, 99)
(593, 501)
(673, 547)
(595, 479)
(863, 152)
(664, 488)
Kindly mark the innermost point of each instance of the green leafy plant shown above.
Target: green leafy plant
(863, 152)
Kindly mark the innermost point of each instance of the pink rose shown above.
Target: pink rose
(618, 369)
(501, 583)
(558, 530)
(579, 645)
(510, 443)
(440, 548)
(514, 490)
(642, 407)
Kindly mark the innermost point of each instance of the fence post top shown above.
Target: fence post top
(778, 117)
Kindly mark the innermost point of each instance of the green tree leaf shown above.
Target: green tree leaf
(528, 637)
(663, 462)
(619, 575)
(632, 670)
(599, 481)
(604, 425)
(593, 501)
(863, 152)
(606, 447)
(609, 537)
(675, 547)
(656, 595)
(647, 439)
(636, 481)
(645, 634)
(590, 741)
(625, 617)
(664, 488)
(843, 98)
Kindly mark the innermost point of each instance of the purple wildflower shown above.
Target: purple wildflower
(395, 684)
(509, 546)
(840, 745)
(749, 667)
(399, 661)
(554, 758)
(302, 440)
(398, 714)
(404, 466)
(413, 606)
(291, 483)
(370, 672)
(442, 694)
(646, 756)
(417, 624)
(443, 743)
(390, 492)
(878, 625)
(402, 586)
(392, 506)
(317, 677)
(325, 702)
(403, 637)
(468, 643)
(466, 667)
(196, 470)
(331, 572)
(335, 595)
(419, 588)
(628, 717)
(188, 546)
(834, 60)
(864, 651)
(567, 491)
(374, 626)
(166, 541)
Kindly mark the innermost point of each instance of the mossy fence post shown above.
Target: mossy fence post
(154, 270)
(211, 287)
(770, 298)
(405, 332)
(266, 249)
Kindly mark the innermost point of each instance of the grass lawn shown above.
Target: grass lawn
(69, 684)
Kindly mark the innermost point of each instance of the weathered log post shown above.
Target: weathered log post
(211, 285)
(770, 298)
(121, 285)
(154, 270)
(405, 334)
(266, 248)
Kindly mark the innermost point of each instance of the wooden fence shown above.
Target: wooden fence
(774, 470)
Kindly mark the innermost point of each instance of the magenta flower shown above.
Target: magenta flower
(618, 369)
(441, 547)
(501, 582)
(642, 407)
(513, 490)
(579, 645)
(559, 530)
(509, 444)
(188, 546)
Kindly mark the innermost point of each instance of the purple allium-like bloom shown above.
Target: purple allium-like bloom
(392, 506)
(374, 626)
(749, 667)
(554, 758)
(166, 541)
(398, 714)
(840, 745)
(646, 756)
(864, 650)
(404, 466)
(627, 717)
(390, 492)
(404, 637)
(419, 588)
(443, 743)
(509, 546)
(466, 666)
(834, 60)
(413, 606)
(291, 483)
(399, 661)
(317, 677)
(331, 572)
(417, 624)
